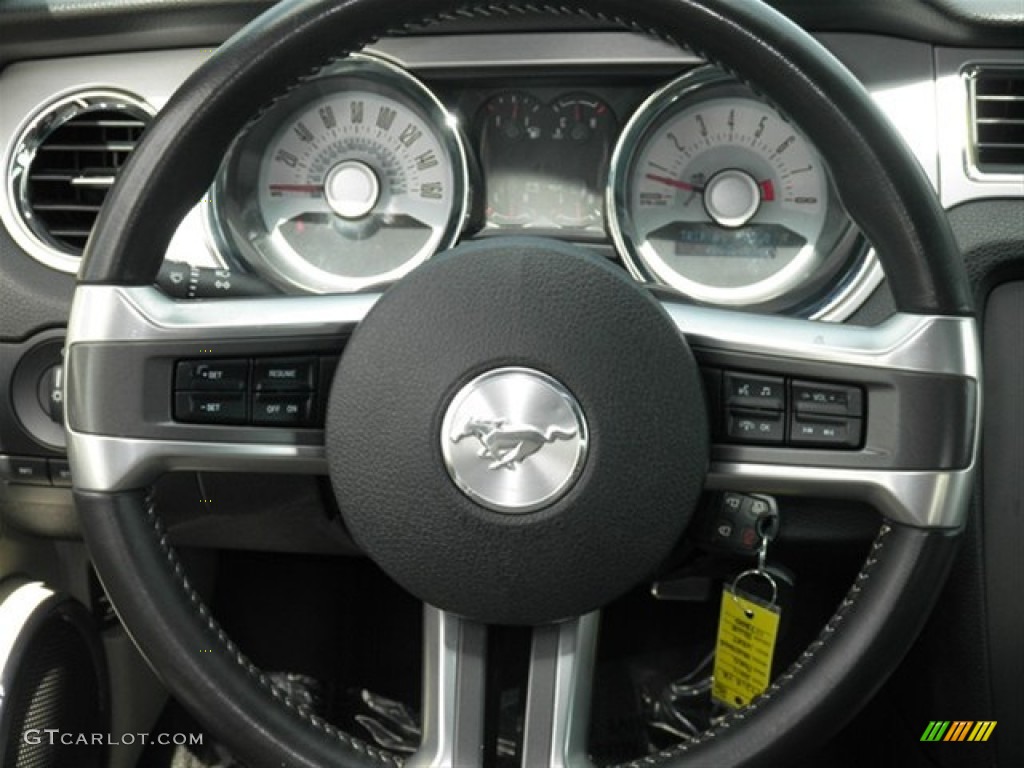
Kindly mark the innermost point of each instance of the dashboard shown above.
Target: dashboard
(686, 177)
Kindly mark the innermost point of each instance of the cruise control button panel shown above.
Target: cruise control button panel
(760, 409)
(269, 392)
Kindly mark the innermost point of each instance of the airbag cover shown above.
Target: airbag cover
(568, 314)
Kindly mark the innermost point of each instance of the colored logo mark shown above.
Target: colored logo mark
(958, 730)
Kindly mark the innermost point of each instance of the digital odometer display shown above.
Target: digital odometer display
(754, 241)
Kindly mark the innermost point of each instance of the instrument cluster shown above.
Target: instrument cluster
(696, 184)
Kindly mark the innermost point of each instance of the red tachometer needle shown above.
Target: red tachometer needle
(307, 189)
(675, 183)
(766, 186)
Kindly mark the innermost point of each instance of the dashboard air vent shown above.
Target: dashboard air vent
(997, 102)
(66, 163)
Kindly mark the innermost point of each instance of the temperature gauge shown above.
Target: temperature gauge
(584, 127)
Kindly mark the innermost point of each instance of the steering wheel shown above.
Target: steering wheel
(541, 329)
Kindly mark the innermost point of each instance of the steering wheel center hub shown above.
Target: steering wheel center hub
(517, 432)
(514, 440)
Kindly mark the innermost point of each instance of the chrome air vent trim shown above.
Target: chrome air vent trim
(63, 160)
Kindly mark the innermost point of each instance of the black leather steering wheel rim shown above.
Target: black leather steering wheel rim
(881, 184)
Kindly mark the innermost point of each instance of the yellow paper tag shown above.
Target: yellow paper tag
(747, 628)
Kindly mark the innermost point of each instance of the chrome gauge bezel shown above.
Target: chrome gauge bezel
(846, 269)
(235, 218)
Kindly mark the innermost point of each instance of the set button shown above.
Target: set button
(212, 375)
(210, 408)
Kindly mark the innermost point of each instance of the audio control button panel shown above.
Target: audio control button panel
(760, 409)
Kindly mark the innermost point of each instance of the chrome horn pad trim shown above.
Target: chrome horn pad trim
(514, 440)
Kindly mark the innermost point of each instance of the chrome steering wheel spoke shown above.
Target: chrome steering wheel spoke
(454, 672)
(559, 693)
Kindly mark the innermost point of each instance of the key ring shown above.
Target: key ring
(754, 572)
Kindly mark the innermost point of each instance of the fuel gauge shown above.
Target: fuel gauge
(512, 125)
(512, 118)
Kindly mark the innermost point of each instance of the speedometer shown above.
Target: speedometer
(716, 195)
(348, 183)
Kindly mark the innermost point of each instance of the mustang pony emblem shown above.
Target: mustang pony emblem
(508, 444)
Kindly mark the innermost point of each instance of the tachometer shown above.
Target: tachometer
(718, 196)
(348, 183)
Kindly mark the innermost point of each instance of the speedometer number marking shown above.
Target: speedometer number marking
(327, 117)
(425, 161)
(410, 135)
(385, 118)
(287, 158)
(431, 190)
(303, 132)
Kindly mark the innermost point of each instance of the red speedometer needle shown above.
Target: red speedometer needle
(306, 189)
(675, 183)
